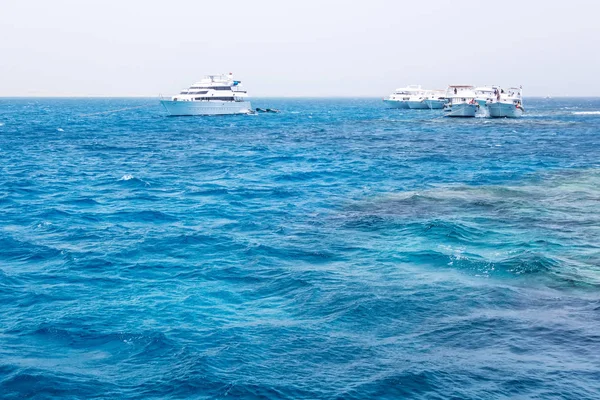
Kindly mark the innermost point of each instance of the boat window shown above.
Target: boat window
(214, 98)
(210, 87)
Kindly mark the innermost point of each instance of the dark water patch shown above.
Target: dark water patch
(368, 222)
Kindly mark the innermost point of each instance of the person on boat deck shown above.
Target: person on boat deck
(455, 91)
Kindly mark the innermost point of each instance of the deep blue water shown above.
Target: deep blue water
(338, 249)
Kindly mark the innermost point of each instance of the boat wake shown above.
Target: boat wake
(586, 113)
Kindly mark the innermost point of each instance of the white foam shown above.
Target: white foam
(1, 123)
(60, 129)
(586, 112)
(126, 177)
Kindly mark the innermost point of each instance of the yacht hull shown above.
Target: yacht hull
(417, 105)
(435, 104)
(396, 103)
(461, 110)
(504, 110)
(182, 108)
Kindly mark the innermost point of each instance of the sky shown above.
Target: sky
(297, 48)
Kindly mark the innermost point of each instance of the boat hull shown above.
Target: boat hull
(435, 104)
(504, 110)
(184, 108)
(462, 110)
(417, 105)
(396, 103)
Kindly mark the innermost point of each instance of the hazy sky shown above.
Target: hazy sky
(297, 48)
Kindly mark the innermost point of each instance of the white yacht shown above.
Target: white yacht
(507, 104)
(213, 95)
(436, 99)
(461, 101)
(486, 94)
(401, 96)
(417, 100)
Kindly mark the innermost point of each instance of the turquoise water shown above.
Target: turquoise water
(338, 249)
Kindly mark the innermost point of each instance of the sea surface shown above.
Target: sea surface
(336, 250)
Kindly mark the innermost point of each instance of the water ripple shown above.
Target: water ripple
(338, 249)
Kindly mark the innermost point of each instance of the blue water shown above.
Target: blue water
(338, 249)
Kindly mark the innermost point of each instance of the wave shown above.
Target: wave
(126, 177)
(49, 383)
(299, 176)
(55, 214)
(292, 253)
(143, 216)
(208, 192)
(9, 284)
(81, 201)
(586, 113)
(17, 250)
(100, 147)
(87, 337)
(523, 263)
(132, 181)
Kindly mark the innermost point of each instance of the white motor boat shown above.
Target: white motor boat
(486, 94)
(436, 100)
(417, 100)
(213, 95)
(401, 96)
(461, 101)
(507, 104)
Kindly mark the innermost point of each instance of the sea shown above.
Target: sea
(338, 249)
